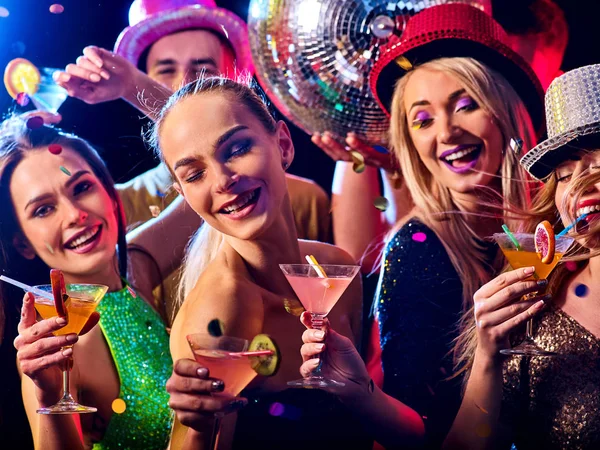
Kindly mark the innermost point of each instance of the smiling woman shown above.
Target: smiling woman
(61, 210)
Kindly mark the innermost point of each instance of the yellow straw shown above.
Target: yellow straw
(313, 262)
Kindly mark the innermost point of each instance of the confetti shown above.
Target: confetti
(419, 237)
(154, 210)
(358, 161)
(4, 12)
(571, 266)
(293, 307)
(481, 409)
(22, 99)
(516, 144)
(57, 8)
(380, 149)
(119, 406)
(381, 203)
(404, 63)
(131, 291)
(160, 194)
(49, 247)
(581, 290)
(276, 409)
(65, 170)
(215, 328)
(35, 122)
(55, 149)
(483, 430)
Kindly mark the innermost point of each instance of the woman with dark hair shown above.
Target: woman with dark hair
(61, 210)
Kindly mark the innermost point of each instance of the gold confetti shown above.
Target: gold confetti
(293, 307)
(516, 145)
(358, 161)
(381, 203)
(154, 210)
(404, 63)
(49, 247)
(119, 406)
(481, 409)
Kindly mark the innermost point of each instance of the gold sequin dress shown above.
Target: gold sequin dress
(554, 403)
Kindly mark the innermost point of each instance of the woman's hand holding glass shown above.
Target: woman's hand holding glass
(499, 309)
(342, 362)
(196, 398)
(40, 354)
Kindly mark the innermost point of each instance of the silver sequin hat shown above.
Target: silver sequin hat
(572, 112)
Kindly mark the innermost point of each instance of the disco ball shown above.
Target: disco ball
(313, 58)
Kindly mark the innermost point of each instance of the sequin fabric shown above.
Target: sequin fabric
(139, 345)
(419, 302)
(554, 403)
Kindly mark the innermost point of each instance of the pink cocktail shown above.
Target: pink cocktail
(318, 288)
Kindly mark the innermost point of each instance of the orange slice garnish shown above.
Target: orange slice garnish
(545, 242)
(21, 75)
(59, 291)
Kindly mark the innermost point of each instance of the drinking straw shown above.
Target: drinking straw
(313, 262)
(256, 353)
(566, 230)
(27, 288)
(511, 237)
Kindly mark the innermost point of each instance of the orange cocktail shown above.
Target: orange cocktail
(79, 311)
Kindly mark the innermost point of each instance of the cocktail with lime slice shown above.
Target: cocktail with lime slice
(543, 255)
(318, 287)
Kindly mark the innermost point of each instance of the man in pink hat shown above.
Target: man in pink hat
(174, 42)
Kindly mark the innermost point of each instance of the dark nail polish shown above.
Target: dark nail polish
(542, 283)
(217, 386)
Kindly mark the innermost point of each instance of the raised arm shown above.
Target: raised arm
(157, 247)
(498, 311)
(100, 76)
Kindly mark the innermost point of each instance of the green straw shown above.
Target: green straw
(511, 237)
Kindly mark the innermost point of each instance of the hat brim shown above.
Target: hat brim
(133, 40)
(493, 54)
(545, 157)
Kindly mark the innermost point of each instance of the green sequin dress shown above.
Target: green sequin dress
(139, 345)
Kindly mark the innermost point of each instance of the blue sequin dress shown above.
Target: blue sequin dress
(419, 303)
(139, 345)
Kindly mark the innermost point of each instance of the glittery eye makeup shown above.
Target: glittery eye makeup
(421, 118)
(466, 103)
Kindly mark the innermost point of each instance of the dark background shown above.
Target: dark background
(50, 40)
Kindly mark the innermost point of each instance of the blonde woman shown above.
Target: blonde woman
(549, 403)
(452, 119)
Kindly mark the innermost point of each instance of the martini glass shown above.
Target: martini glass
(526, 256)
(226, 358)
(318, 295)
(49, 96)
(80, 304)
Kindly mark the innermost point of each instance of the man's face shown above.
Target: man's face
(180, 58)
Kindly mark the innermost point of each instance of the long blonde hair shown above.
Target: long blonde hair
(434, 202)
(205, 243)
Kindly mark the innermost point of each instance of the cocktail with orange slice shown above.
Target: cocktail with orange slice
(75, 302)
(23, 77)
(541, 250)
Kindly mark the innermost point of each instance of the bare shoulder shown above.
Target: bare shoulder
(222, 293)
(299, 187)
(325, 253)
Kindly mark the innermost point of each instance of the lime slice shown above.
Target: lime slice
(545, 242)
(264, 365)
(21, 75)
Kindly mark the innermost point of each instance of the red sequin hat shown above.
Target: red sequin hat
(151, 20)
(455, 30)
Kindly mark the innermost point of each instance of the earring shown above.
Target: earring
(285, 165)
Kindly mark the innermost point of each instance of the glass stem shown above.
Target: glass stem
(66, 376)
(317, 321)
(529, 330)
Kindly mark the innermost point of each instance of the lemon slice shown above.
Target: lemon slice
(21, 75)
